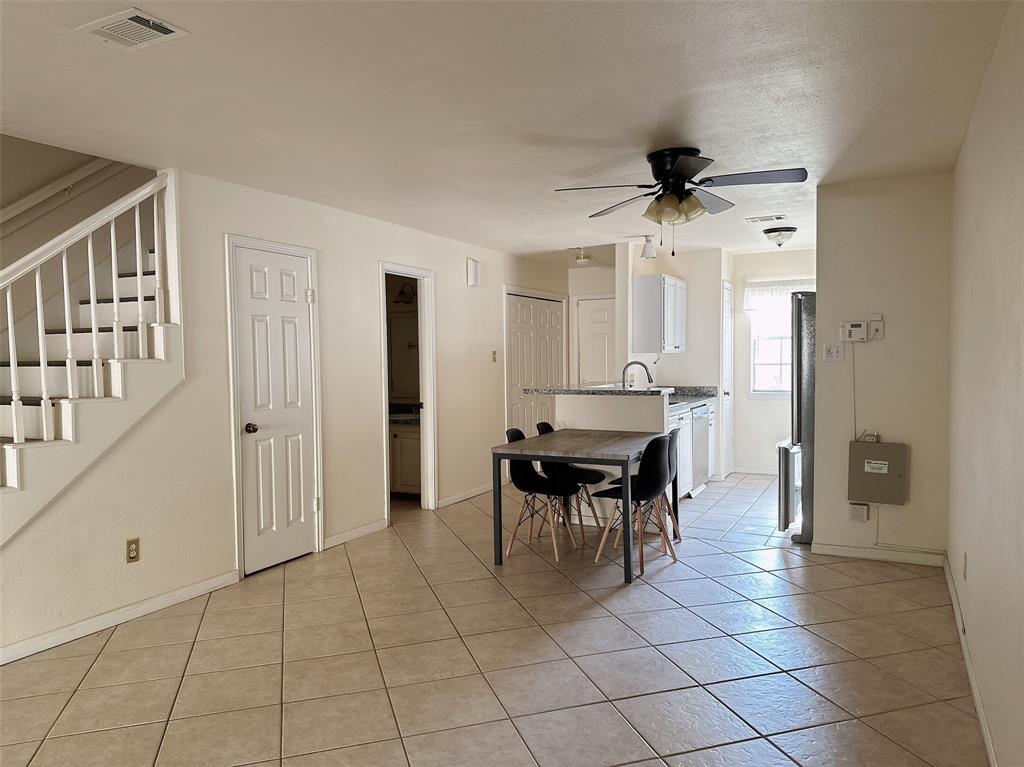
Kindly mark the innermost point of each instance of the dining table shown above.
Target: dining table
(591, 447)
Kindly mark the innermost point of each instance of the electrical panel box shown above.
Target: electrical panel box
(879, 472)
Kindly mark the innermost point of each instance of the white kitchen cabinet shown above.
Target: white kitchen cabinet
(659, 314)
(405, 458)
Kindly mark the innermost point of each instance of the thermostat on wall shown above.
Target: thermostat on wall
(855, 332)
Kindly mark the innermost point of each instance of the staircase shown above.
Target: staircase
(91, 342)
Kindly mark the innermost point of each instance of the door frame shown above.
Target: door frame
(232, 241)
(506, 291)
(427, 330)
(574, 337)
(727, 285)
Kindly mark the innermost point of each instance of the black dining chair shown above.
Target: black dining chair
(579, 475)
(673, 470)
(534, 486)
(647, 488)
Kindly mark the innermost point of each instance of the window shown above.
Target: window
(767, 304)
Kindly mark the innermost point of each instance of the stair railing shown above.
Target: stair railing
(161, 191)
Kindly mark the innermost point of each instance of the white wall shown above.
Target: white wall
(884, 246)
(762, 419)
(700, 364)
(986, 484)
(169, 480)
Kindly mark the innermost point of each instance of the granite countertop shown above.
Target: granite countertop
(609, 390)
(693, 393)
(676, 394)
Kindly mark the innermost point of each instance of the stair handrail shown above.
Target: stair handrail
(165, 244)
(80, 231)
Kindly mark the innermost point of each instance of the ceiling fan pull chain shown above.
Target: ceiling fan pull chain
(673, 242)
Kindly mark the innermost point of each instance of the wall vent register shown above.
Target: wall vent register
(132, 29)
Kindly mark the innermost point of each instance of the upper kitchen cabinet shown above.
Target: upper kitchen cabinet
(659, 314)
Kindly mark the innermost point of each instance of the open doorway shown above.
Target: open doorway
(408, 356)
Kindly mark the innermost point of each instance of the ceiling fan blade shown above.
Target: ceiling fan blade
(622, 204)
(787, 176)
(712, 202)
(687, 167)
(613, 186)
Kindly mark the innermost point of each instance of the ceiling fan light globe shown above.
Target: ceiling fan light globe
(653, 212)
(671, 209)
(692, 207)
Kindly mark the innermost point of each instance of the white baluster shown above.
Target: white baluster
(161, 289)
(44, 388)
(97, 361)
(116, 294)
(17, 416)
(70, 365)
(143, 339)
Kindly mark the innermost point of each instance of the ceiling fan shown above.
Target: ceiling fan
(678, 196)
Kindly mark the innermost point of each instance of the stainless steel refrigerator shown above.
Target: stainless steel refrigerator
(796, 454)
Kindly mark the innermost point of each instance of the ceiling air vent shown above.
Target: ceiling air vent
(133, 29)
(766, 219)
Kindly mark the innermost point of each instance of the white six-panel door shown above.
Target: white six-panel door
(536, 358)
(596, 340)
(275, 399)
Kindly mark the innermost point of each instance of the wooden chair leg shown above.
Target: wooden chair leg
(593, 507)
(579, 510)
(604, 536)
(551, 524)
(669, 548)
(568, 520)
(515, 531)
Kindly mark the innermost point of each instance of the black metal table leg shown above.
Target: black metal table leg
(496, 493)
(627, 528)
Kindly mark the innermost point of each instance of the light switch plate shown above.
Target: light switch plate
(832, 352)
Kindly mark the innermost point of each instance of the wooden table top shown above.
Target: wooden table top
(582, 445)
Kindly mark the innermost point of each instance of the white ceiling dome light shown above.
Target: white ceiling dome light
(780, 235)
(582, 259)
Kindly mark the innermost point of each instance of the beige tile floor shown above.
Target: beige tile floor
(408, 647)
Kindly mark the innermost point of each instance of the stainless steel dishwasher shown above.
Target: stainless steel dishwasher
(701, 415)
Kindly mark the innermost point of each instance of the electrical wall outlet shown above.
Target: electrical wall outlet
(832, 352)
(132, 552)
(859, 512)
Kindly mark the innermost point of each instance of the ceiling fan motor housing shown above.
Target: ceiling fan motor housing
(663, 160)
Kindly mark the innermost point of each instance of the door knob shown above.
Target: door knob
(251, 428)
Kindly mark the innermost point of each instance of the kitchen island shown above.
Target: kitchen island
(649, 409)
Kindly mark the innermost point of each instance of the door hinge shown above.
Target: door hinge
(310, 296)
(316, 503)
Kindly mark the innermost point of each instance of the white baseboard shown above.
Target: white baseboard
(908, 556)
(356, 532)
(112, 618)
(772, 470)
(986, 734)
(471, 493)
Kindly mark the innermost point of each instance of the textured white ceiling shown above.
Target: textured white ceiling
(459, 119)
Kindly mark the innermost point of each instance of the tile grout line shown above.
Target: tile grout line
(376, 657)
(181, 681)
(67, 703)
